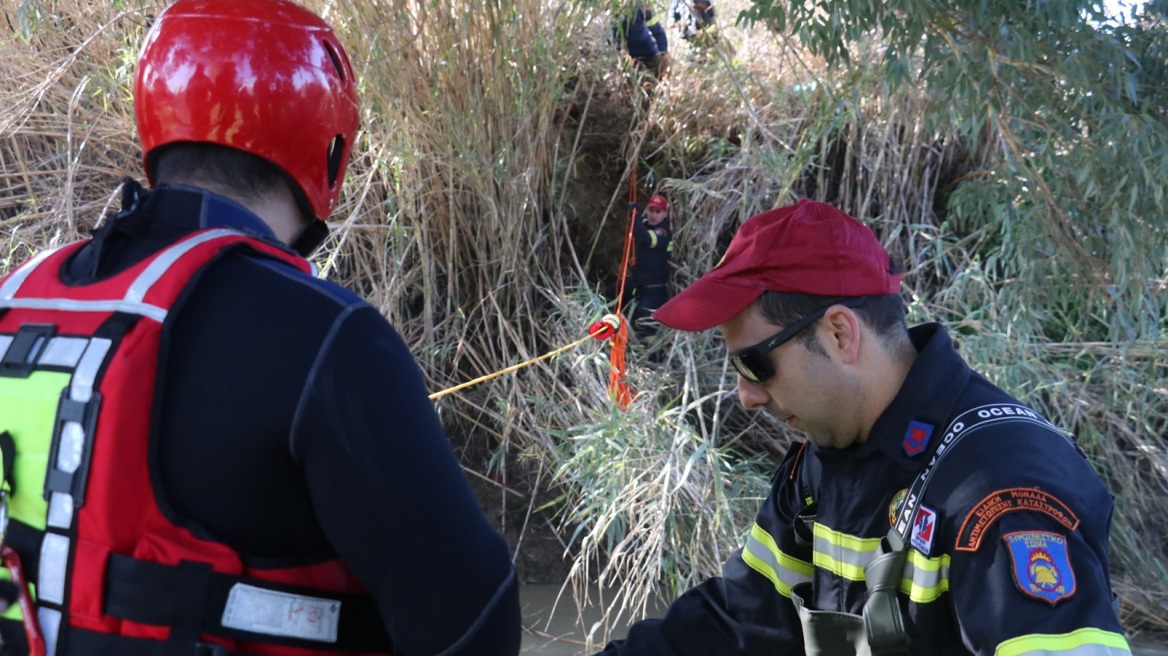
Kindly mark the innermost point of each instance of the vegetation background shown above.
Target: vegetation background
(1012, 156)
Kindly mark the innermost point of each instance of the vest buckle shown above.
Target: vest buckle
(209, 649)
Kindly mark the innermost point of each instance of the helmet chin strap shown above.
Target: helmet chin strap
(310, 238)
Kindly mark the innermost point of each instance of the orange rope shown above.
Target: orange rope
(618, 384)
(611, 327)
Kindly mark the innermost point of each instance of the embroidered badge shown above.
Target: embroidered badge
(1042, 565)
(924, 528)
(894, 505)
(916, 438)
(994, 505)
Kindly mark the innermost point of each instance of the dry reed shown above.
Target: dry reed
(486, 199)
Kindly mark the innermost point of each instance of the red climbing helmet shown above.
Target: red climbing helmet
(268, 77)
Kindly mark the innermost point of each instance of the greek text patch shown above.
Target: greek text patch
(994, 505)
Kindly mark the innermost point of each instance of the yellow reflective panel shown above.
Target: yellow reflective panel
(28, 408)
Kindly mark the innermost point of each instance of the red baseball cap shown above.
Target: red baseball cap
(805, 248)
(658, 202)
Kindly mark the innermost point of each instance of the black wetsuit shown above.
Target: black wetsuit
(293, 424)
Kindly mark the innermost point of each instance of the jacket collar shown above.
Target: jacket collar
(192, 208)
(912, 425)
(151, 220)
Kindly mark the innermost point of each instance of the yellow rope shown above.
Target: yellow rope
(513, 367)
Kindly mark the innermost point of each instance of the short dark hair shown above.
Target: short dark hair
(883, 314)
(246, 174)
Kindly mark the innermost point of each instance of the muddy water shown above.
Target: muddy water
(553, 629)
(555, 626)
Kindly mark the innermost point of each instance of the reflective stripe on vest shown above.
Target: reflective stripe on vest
(132, 302)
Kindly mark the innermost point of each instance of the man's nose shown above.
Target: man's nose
(752, 396)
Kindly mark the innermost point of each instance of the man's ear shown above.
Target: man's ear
(843, 333)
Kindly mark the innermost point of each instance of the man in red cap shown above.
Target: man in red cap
(928, 511)
(649, 275)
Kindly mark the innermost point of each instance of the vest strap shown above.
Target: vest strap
(152, 593)
(93, 643)
(883, 622)
(804, 526)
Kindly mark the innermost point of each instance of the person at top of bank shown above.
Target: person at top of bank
(927, 511)
(644, 38)
(208, 450)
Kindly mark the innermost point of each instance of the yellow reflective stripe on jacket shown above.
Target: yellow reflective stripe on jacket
(652, 238)
(842, 554)
(925, 579)
(1084, 642)
(763, 556)
(651, 19)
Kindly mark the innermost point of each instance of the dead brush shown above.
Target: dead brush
(495, 144)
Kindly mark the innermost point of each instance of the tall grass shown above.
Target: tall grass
(487, 199)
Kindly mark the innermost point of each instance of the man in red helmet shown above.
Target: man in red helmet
(649, 275)
(206, 449)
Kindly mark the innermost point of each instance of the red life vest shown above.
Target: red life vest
(113, 574)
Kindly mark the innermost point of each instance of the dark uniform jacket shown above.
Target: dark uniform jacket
(653, 248)
(1009, 554)
(294, 426)
(642, 33)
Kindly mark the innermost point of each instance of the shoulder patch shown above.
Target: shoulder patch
(894, 505)
(924, 529)
(1042, 565)
(994, 505)
(916, 437)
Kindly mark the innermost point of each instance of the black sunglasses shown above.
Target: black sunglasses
(752, 362)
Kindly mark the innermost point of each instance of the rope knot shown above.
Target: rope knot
(606, 327)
